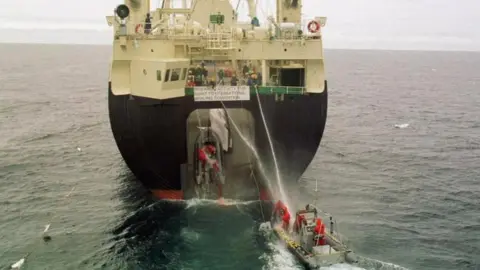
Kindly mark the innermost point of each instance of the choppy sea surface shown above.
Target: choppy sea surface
(405, 197)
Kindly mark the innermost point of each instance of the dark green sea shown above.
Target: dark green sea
(404, 197)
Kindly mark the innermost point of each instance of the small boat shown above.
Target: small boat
(311, 249)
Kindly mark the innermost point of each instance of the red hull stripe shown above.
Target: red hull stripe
(168, 194)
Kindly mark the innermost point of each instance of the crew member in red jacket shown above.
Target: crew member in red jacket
(279, 205)
(282, 212)
(299, 221)
(319, 233)
(206, 155)
(285, 219)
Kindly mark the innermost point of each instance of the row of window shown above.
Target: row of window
(172, 75)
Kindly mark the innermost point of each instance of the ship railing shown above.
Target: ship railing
(222, 40)
(185, 32)
(265, 90)
(298, 31)
(289, 90)
(138, 31)
(218, 40)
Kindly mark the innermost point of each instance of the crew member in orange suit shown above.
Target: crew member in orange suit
(298, 222)
(285, 219)
(282, 212)
(319, 233)
(278, 206)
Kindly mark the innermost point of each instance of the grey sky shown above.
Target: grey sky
(383, 24)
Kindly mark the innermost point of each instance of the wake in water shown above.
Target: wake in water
(275, 257)
(200, 234)
(279, 258)
(227, 202)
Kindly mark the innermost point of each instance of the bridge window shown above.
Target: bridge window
(167, 75)
(159, 75)
(176, 74)
(184, 74)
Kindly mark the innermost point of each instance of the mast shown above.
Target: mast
(252, 12)
(289, 11)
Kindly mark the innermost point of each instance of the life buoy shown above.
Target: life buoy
(137, 27)
(313, 26)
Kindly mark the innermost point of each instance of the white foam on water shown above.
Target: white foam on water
(281, 259)
(190, 235)
(343, 266)
(226, 202)
(18, 264)
(401, 126)
(379, 265)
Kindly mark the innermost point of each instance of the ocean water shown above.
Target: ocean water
(404, 197)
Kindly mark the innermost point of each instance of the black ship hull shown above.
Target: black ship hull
(152, 136)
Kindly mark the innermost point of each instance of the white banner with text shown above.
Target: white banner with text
(221, 93)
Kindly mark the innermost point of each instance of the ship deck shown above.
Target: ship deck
(265, 90)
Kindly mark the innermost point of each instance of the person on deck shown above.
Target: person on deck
(190, 83)
(234, 80)
(221, 76)
(198, 74)
(148, 24)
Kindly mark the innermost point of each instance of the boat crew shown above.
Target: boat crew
(276, 211)
(300, 219)
(279, 205)
(281, 211)
(319, 233)
(285, 218)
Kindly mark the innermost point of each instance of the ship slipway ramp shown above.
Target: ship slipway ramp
(238, 163)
